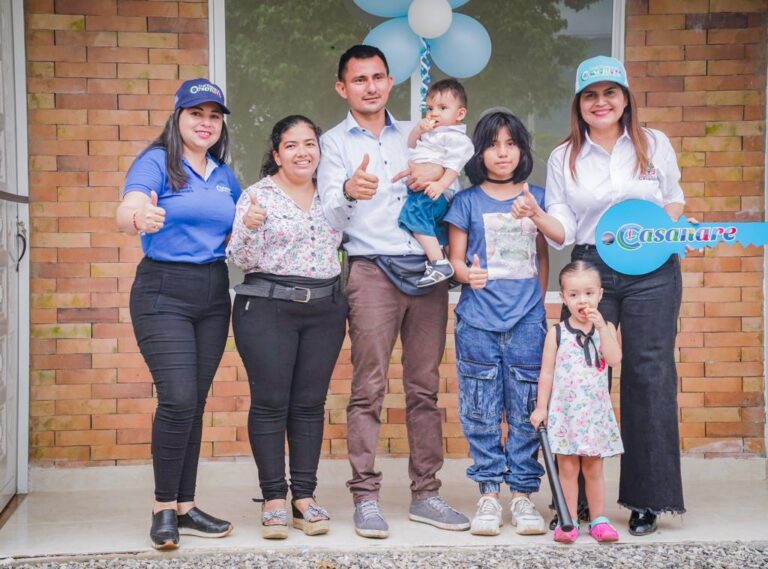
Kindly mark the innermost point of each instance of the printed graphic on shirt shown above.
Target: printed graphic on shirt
(510, 246)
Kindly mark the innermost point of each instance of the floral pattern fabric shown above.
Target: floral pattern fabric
(291, 242)
(581, 420)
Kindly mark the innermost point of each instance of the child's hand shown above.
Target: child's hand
(594, 316)
(525, 205)
(478, 277)
(538, 417)
(426, 124)
(434, 190)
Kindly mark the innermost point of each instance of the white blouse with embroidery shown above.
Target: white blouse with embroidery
(290, 242)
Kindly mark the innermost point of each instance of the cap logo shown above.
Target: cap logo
(204, 88)
(604, 71)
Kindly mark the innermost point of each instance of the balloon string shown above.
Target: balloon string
(425, 65)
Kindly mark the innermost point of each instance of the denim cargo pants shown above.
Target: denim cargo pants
(498, 377)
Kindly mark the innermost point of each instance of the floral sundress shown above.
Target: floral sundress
(581, 419)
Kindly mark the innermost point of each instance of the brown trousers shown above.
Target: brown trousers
(378, 312)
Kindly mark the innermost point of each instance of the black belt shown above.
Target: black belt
(585, 247)
(268, 289)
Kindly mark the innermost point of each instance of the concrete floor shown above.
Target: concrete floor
(107, 510)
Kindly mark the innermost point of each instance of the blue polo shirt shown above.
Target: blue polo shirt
(198, 218)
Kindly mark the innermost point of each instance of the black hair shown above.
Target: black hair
(360, 51)
(170, 141)
(269, 166)
(577, 267)
(449, 85)
(486, 132)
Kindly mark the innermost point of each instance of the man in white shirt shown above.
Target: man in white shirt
(361, 158)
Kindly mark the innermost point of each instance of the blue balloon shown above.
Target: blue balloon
(456, 3)
(464, 50)
(399, 44)
(387, 8)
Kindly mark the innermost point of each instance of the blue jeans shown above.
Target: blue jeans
(498, 373)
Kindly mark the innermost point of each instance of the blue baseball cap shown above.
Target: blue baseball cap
(197, 91)
(600, 68)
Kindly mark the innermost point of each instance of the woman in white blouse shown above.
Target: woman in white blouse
(608, 157)
(289, 320)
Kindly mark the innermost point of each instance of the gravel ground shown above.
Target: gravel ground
(699, 556)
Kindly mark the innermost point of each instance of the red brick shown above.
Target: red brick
(68, 69)
(193, 41)
(146, 8)
(116, 23)
(86, 101)
(118, 54)
(675, 37)
(181, 25)
(55, 53)
(677, 6)
(97, 39)
(101, 8)
(146, 71)
(714, 52)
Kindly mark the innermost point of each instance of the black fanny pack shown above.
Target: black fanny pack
(404, 271)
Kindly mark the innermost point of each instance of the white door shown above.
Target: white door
(13, 242)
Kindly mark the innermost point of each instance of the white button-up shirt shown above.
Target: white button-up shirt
(603, 179)
(370, 225)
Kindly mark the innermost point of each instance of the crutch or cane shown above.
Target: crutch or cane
(566, 523)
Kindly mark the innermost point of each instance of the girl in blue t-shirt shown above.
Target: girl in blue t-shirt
(500, 321)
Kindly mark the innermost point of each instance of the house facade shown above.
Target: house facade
(94, 83)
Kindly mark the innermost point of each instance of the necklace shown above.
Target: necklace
(492, 181)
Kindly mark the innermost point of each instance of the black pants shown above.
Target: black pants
(289, 350)
(180, 314)
(646, 308)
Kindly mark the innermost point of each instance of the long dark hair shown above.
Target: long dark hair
(268, 165)
(170, 141)
(486, 132)
(629, 120)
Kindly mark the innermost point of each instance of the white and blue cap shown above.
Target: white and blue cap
(194, 92)
(600, 68)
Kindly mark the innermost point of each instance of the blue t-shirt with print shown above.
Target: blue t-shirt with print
(506, 247)
(198, 217)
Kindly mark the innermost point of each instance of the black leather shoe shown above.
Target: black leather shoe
(165, 530)
(642, 523)
(197, 522)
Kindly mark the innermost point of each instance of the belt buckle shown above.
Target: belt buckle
(308, 294)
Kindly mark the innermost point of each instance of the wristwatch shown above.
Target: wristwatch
(344, 191)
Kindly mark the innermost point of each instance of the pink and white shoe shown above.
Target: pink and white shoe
(602, 530)
(566, 536)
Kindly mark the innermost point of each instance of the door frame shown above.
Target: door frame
(22, 185)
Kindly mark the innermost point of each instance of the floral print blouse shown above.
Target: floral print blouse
(290, 242)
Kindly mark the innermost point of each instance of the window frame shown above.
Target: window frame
(217, 71)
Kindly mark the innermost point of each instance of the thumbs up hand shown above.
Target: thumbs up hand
(525, 205)
(149, 218)
(256, 215)
(362, 185)
(478, 277)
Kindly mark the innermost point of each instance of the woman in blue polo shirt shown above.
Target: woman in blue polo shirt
(180, 197)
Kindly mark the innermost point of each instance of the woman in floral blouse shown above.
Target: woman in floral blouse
(289, 322)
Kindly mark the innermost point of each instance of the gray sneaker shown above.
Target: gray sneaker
(436, 512)
(526, 518)
(368, 520)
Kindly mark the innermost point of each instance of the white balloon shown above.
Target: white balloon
(430, 18)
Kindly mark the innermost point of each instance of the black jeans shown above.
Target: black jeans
(646, 309)
(289, 350)
(180, 314)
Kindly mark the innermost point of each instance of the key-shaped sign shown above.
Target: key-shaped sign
(636, 237)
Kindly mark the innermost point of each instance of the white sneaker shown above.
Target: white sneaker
(526, 518)
(487, 520)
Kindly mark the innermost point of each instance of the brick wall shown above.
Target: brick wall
(101, 78)
(698, 68)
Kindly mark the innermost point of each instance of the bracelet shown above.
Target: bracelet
(136, 225)
(344, 192)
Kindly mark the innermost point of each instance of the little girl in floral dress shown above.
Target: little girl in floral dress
(573, 397)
